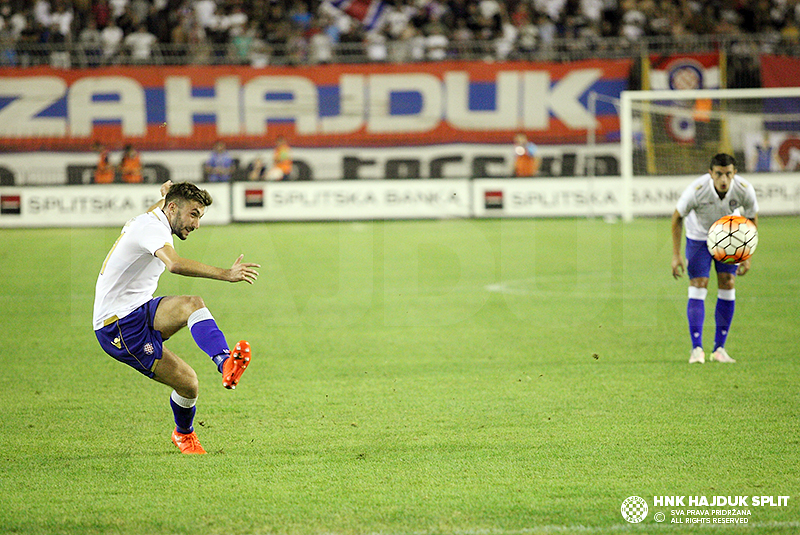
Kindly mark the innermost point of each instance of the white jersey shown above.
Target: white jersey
(700, 205)
(130, 273)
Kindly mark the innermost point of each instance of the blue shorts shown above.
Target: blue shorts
(698, 260)
(132, 339)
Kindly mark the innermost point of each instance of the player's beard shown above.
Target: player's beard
(180, 234)
(178, 229)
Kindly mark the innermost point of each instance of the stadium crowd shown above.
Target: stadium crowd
(259, 32)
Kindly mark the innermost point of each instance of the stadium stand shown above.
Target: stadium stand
(90, 33)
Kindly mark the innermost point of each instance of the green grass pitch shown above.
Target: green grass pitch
(456, 377)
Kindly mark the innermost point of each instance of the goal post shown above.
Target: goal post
(676, 132)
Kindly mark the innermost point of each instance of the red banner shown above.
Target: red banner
(332, 105)
(779, 71)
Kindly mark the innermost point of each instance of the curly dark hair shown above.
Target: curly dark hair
(186, 191)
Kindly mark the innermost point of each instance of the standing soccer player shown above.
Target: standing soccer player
(718, 193)
(131, 325)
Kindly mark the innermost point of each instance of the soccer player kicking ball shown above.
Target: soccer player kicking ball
(131, 325)
(718, 193)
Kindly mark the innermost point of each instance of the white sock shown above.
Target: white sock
(727, 295)
(180, 401)
(199, 315)
(698, 293)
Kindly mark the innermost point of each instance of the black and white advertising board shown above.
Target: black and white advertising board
(342, 200)
(94, 206)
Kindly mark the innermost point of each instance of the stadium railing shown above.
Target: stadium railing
(739, 48)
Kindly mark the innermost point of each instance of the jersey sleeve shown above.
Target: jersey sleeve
(154, 236)
(749, 202)
(687, 201)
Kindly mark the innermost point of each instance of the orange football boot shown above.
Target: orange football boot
(188, 444)
(236, 364)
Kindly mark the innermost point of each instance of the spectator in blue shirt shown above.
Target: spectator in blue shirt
(764, 156)
(219, 166)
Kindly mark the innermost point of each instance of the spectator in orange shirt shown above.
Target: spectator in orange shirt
(130, 166)
(526, 162)
(282, 159)
(104, 171)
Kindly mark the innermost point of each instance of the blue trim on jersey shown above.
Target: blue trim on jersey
(132, 340)
(698, 260)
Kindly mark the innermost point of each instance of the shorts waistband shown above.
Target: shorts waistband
(110, 320)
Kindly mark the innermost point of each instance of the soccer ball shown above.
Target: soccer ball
(732, 239)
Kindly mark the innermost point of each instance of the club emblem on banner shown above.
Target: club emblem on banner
(634, 509)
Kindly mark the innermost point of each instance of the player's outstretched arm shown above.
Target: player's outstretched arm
(677, 232)
(240, 271)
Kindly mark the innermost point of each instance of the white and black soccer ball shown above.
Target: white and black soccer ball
(732, 239)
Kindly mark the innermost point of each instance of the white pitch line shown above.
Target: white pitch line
(560, 285)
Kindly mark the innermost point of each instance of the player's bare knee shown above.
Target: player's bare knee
(699, 282)
(191, 304)
(195, 302)
(726, 282)
(190, 387)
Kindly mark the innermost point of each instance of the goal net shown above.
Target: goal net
(675, 133)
